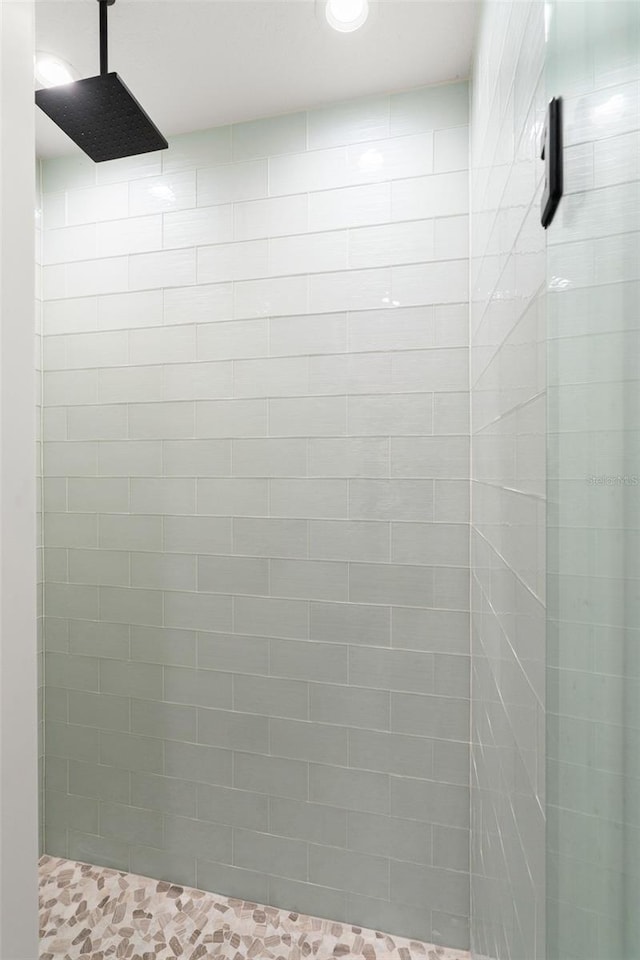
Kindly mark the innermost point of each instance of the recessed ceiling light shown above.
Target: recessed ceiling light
(52, 71)
(346, 15)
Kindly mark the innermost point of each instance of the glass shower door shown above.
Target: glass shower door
(593, 526)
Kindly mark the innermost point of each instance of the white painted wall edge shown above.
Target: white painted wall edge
(18, 657)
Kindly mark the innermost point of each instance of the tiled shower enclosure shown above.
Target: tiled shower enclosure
(256, 506)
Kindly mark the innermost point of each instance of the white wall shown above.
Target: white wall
(256, 493)
(18, 699)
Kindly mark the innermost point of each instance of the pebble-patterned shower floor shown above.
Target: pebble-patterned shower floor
(93, 913)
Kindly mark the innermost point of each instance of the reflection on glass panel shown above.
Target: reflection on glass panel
(593, 636)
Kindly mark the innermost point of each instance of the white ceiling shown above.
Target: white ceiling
(195, 64)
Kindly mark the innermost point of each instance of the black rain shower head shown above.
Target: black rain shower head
(100, 113)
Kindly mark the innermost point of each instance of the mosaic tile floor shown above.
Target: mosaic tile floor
(92, 913)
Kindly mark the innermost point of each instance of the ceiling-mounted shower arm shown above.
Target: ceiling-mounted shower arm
(104, 52)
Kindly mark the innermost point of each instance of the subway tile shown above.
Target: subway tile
(308, 253)
(277, 296)
(70, 530)
(196, 611)
(106, 202)
(150, 421)
(348, 540)
(274, 217)
(389, 837)
(391, 499)
(440, 631)
(129, 605)
(237, 497)
(134, 235)
(433, 544)
(309, 498)
(349, 870)
(440, 195)
(307, 897)
(129, 458)
(129, 533)
(203, 303)
(391, 669)
(106, 640)
(170, 268)
(164, 495)
(163, 571)
(232, 182)
(350, 623)
(242, 260)
(238, 883)
(173, 191)
(162, 345)
(430, 801)
(198, 381)
(193, 458)
(93, 494)
(200, 688)
(198, 149)
(308, 416)
(441, 717)
(63, 811)
(269, 458)
(273, 377)
(271, 696)
(100, 710)
(304, 335)
(99, 781)
(318, 823)
(167, 794)
(270, 538)
(197, 534)
(234, 340)
(298, 740)
(197, 839)
(451, 149)
(271, 617)
(191, 228)
(429, 108)
(130, 679)
(231, 418)
(89, 848)
(348, 457)
(446, 890)
(127, 823)
(309, 579)
(309, 661)
(234, 654)
(349, 789)
(350, 290)
(170, 721)
(131, 752)
(349, 122)
(350, 206)
(115, 171)
(108, 567)
(128, 384)
(390, 753)
(72, 741)
(235, 575)
(199, 763)
(271, 776)
(72, 672)
(267, 854)
(171, 647)
(233, 731)
(349, 706)
(169, 866)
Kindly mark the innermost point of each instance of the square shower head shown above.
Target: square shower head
(102, 116)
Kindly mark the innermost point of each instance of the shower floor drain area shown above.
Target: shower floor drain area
(93, 913)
